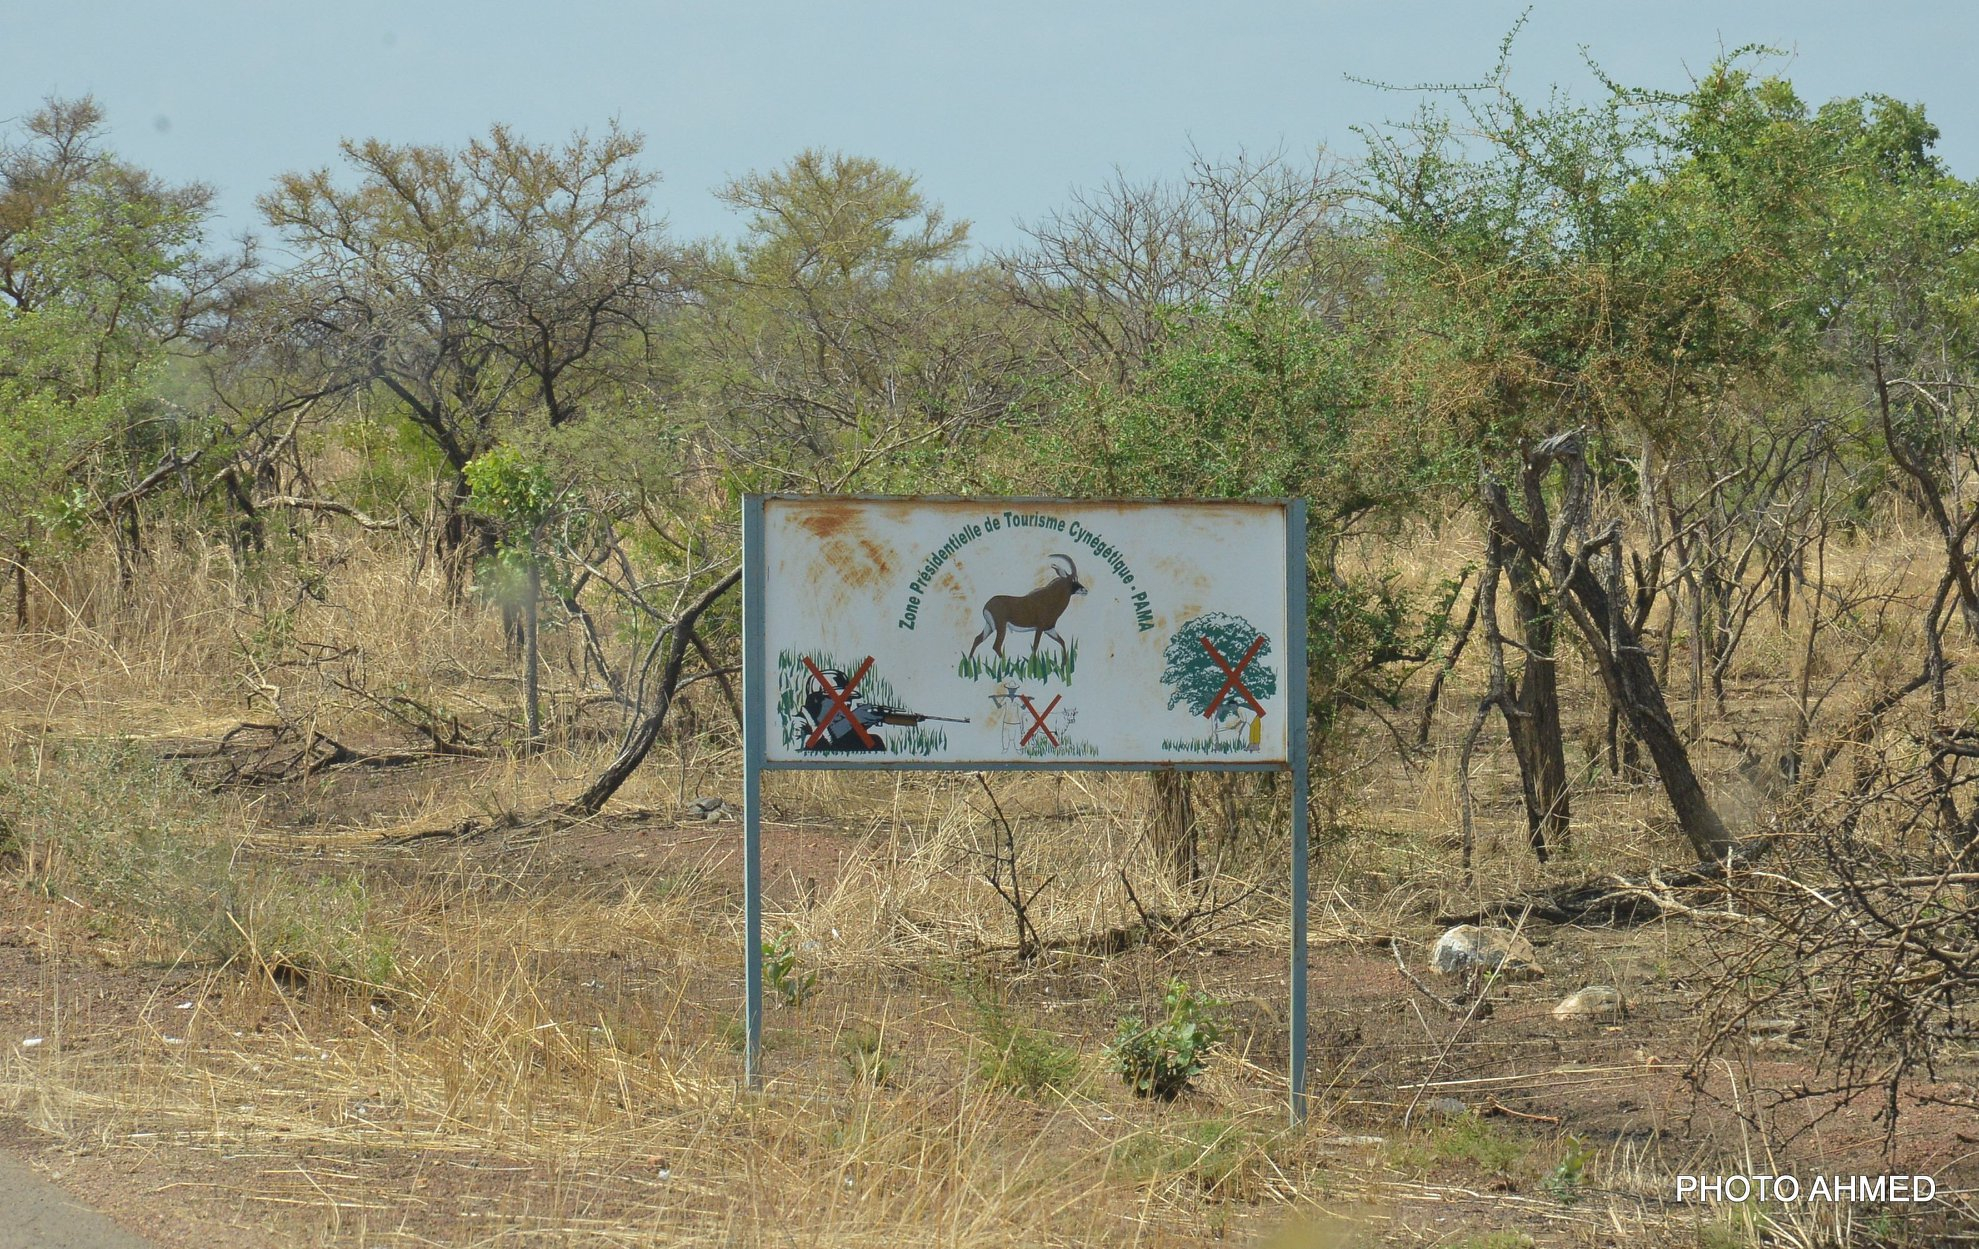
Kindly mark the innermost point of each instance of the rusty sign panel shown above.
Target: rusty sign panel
(1036, 633)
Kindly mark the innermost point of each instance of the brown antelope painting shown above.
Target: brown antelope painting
(1035, 613)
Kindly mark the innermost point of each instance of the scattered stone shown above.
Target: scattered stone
(1773, 1033)
(713, 809)
(1468, 947)
(1596, 1001)
(1448, 1107)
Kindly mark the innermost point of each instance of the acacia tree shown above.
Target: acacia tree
(1112, 270)
(847, 338)
(1895, 287)
(1260, 397)
(499, 285)
(101, 273)
(1612, 270)
(843, 342)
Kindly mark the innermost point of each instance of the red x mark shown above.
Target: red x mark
(1230, 678)
(1037, 719)
(841, 704)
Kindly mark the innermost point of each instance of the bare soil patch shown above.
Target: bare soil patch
(586, 986)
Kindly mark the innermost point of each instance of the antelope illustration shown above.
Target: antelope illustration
(1036, 613)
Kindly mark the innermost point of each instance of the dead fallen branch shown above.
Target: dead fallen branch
(257, 755)
(640, 738)
(1496, 1107)
(1612, 900)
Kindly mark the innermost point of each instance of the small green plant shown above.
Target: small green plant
(301, 928)
(1482, 1145)
(1219, 1156)
(780, 972)
(863, 1051)
(1565, 1183)
(1161, 1058)
(1022, 1058)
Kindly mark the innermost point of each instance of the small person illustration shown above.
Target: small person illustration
(1006, 712)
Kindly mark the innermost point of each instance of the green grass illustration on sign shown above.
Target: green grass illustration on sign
(1038, 748)
(1039, 666)
(1207, 745)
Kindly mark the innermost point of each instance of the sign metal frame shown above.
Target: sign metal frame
(758, 696)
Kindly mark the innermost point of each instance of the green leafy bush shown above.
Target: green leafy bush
(1160, 1058)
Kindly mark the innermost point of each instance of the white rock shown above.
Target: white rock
(1468, 947)
(1596, 1000)
(713, 809)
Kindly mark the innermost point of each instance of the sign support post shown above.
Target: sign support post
(755, 707)
(1295, 599)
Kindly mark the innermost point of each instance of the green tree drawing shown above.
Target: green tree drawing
(1193, 677)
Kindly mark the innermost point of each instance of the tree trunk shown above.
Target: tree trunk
(249, 533)
(1634, 686)
(640, 738)
(1532, 716)
(1174, 831)
(130, 549)
(453, 544)
(1599, 612)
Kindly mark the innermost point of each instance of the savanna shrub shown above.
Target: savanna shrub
(1160, 1058)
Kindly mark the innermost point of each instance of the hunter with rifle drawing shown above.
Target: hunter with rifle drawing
(838, 716)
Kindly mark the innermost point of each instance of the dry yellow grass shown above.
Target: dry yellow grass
(552, 1056)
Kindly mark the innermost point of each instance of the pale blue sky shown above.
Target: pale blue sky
(999, 108)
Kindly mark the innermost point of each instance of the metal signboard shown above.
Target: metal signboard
(972, 634)
(979, 634)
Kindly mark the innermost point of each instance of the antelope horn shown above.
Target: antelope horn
(1071, 569)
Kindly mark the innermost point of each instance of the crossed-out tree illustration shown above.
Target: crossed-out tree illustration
(1193, 675)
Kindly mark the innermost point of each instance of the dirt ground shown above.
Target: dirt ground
(1428, 1126)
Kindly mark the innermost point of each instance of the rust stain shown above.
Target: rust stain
(876, 553)
(1185, 572)
(827, 517)
(851, 566)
